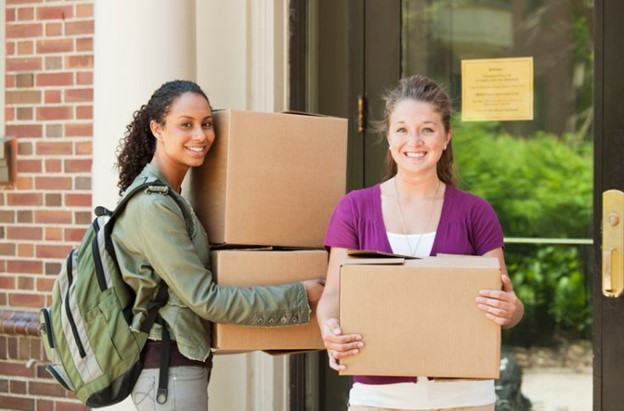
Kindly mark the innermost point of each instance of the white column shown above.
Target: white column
(138, 45)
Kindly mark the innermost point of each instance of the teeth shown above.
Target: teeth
(415, 155)
(196, 149)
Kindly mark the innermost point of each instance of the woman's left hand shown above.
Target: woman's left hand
(501, 306)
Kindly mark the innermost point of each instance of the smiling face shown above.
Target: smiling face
(416, 136)
(185, 136)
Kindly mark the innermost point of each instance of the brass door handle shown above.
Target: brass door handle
(612, 243)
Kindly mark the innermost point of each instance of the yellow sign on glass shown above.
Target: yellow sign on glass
(497, 89)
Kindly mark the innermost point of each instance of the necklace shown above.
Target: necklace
(420, 236)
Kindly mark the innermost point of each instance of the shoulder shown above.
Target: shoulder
(464, 200)
(362, 197)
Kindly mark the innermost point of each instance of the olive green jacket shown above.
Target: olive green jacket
(153, 242)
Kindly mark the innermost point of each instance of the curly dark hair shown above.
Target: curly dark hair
(421, 88)
(136, 148)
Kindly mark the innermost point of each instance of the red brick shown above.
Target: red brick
(25, 47)
(78, 95)
(26, 300)
(53, 234)
(52, 251)
(45, 405)
(7, 216)
(7, 249)
(79, 28)
(23, 97)
(24, 199)
(24, 148)
(78, 200)
(55, 79)
(25, 113)
(23, 64)
(24, 80)
(25, 283)
(10, 14)
(53, 29)
(16, 403)
(24, 233)
(78, 166)
(84, 217)
(62, 45)
(53, 148)
(53, 62)
(54, 130)
(55, 13)
(10, 49)
(45, 284)
(84, 10)
(84, 78)
(52, 96)
(79, 130)
(24, 183)
(25, 266)
(46, 389)
(53, 200)
(7, 282)
(54, 113)
(53, 166)
(24, 30)
(23, 1)
(25, 13)
(27, 130)
(84, 44)
(73, 62)
(28, 166)
(53, 217)
(25, 216)
(75, 234)
(53, 183)
(84, 112)
(25, 250)
(83, 147)
(15, 370)
(18, 387)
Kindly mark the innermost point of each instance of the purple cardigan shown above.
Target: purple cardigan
(468, 226)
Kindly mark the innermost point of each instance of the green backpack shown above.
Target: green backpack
(86, 330)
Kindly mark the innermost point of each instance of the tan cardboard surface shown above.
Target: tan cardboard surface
(420, 318)
(250, 267)
(271, 178)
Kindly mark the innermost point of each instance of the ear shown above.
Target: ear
(449, 136)
(156, 130)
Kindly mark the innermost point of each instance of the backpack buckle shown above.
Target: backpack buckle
(161, 396)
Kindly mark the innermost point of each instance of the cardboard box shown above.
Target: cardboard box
(246, 268)
(419, 317)
(271, 178)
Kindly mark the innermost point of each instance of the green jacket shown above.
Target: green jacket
(153, 242)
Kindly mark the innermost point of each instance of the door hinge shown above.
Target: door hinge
(361, 119)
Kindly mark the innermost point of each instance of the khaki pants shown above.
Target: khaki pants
(480, 408)
(187, 390)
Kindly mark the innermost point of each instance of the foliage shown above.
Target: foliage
(540, 187)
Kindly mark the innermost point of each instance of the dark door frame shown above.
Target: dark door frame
(608, 313)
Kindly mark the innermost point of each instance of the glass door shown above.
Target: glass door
(537, 174)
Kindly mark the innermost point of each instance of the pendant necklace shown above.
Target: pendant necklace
(420, 236)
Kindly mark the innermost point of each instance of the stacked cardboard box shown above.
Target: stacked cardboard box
(419, 317)
(270, 179)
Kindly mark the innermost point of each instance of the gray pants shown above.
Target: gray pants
(187, 390)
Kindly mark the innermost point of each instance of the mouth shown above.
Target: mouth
(415, 154)
(197, 149)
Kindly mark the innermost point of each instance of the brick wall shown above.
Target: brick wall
(49, 110)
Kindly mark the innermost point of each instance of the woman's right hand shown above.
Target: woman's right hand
(338, 345)
(314, 289)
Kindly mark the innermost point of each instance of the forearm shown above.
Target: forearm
(328, 307)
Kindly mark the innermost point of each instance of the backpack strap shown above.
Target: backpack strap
(152, 186)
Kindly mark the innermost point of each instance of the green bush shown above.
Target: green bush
(540, 187)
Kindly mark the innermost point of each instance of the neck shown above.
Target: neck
(425, 188)
(174, 175)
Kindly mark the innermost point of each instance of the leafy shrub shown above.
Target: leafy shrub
(540, 187)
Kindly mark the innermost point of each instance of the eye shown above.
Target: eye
(186, 124)
(207, 124)
(428, 130)
(400, 130)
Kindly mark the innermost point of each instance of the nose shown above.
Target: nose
(415, 138)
